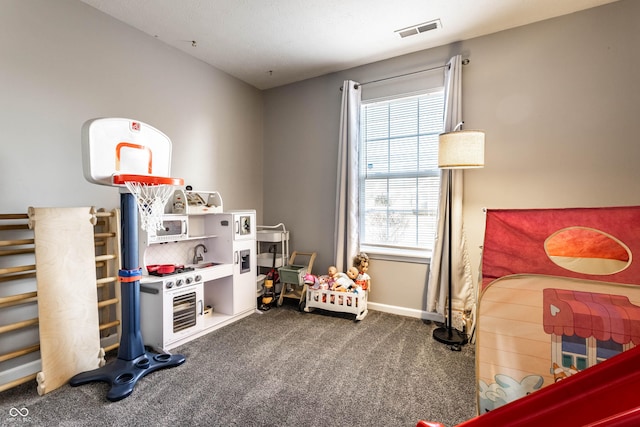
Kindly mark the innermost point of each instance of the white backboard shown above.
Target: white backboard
(116, 146)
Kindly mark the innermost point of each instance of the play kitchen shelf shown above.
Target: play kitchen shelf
(194, 202)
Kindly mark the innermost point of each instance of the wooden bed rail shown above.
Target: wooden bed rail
(19, 246)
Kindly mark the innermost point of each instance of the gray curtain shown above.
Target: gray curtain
(462, 282)
(346, 219)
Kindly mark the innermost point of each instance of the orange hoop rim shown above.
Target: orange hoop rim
(146, 179)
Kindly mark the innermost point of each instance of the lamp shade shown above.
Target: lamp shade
(461, 150)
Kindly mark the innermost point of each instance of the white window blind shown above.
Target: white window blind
(399, 175)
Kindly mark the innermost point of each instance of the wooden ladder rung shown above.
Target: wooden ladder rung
(18, 242)
(17, 277)
(18, 353)
(104, 280)
(18, 269)
(104, 326)
(8, 252)
(108, 302)
(111, 347)
(14, 227)
(106, 257)
(18, 325)
(14, 216)
(18, 299)
(101, 283)
(17, 382)
(104, 235)
(103, 214)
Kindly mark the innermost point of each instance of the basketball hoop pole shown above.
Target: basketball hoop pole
(131, 344)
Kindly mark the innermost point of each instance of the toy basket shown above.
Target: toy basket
(293, 274)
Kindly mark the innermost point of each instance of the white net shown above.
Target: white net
(151, 200)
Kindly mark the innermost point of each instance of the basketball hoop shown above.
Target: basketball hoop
(151, 193)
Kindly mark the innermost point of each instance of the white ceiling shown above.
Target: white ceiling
(268, 43)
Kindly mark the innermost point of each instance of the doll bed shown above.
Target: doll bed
(343, 302)
(337, 301)
(559, 295)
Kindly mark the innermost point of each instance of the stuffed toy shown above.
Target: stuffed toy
(311, 281)
(323, 282)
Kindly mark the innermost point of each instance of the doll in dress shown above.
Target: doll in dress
(361, 262)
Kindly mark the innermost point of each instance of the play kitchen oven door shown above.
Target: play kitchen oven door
(183, 310)
(169, 315)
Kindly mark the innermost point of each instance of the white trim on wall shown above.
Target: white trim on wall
(407, 312)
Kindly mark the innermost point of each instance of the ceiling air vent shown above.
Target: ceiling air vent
(420, 28)
(408, 32)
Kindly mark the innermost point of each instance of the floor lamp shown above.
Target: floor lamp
(462, 149)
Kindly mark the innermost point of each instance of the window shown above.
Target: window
(607, 349)
(574, 352)
(584, 352)
(399, 175)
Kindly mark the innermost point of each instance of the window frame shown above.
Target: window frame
(419, 255)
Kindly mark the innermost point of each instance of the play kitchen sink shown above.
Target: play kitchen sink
(203, 265)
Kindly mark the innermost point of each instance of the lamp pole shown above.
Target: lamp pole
(456, 150)
(448, 334)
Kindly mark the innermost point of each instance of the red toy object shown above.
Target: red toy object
(603, 395)
(163, 268)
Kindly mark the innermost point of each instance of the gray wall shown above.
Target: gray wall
(64, 62)
(557, 100)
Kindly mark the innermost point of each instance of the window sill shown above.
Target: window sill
(414, 256)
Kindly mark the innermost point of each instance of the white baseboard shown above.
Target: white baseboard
(408, 312)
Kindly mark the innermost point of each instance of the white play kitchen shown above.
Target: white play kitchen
(199, 270)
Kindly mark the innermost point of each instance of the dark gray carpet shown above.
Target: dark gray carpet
(281, 368)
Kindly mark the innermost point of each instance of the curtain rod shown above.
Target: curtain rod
(464, 62)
